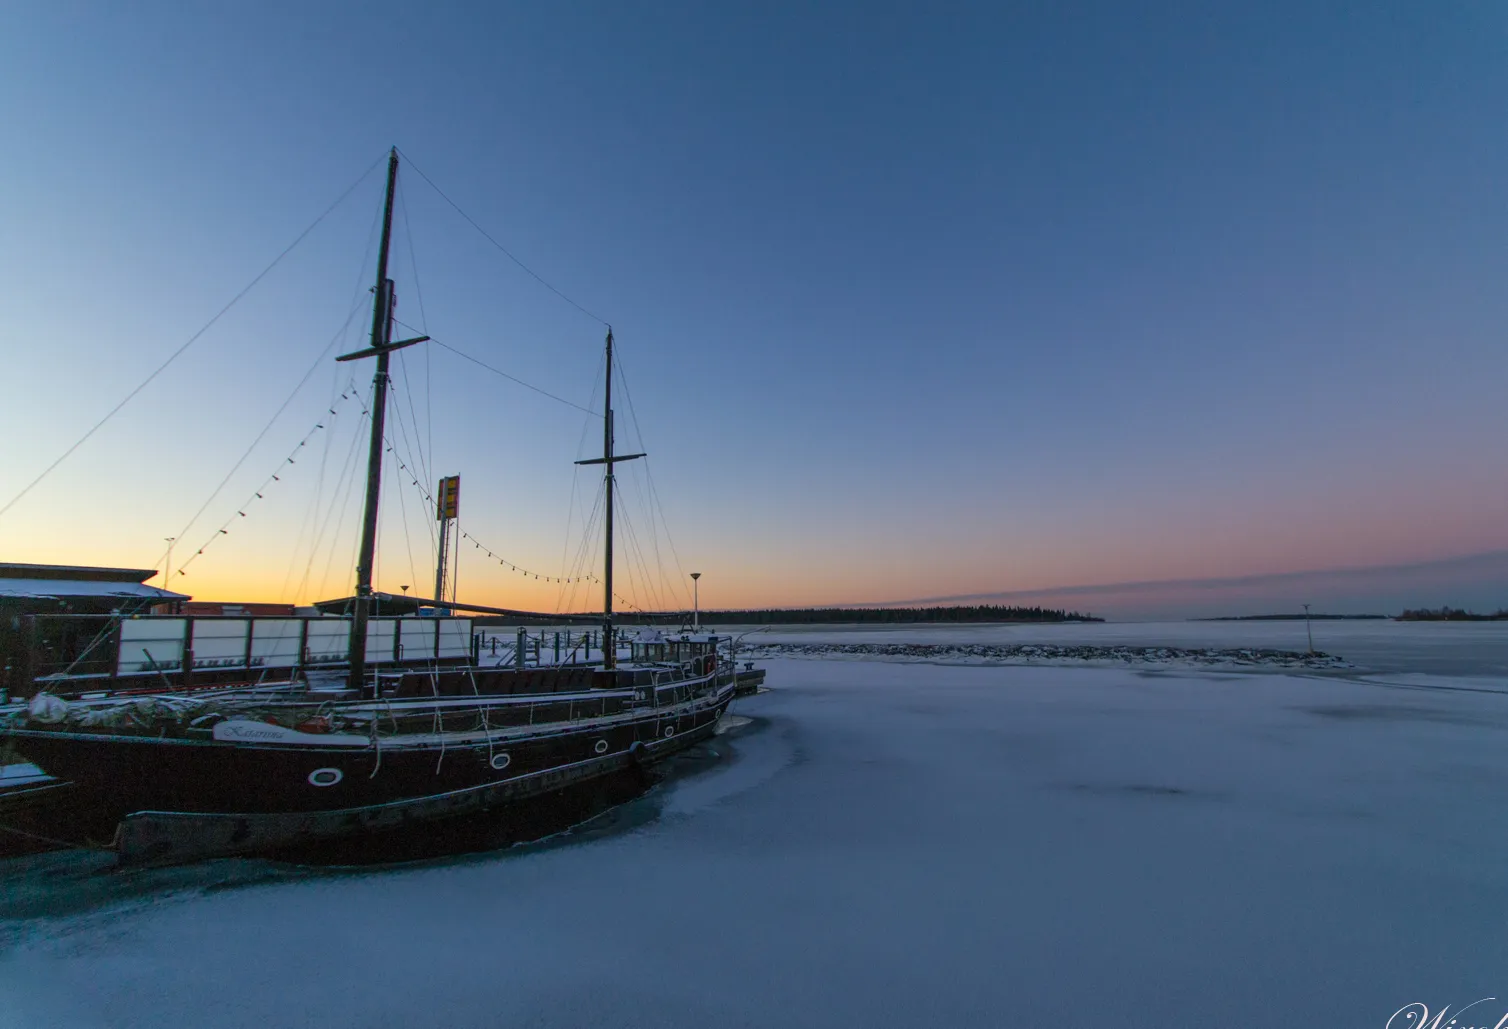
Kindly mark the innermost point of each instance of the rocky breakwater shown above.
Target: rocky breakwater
(1247, 658)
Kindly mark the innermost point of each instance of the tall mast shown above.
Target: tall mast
(609, 644)
(382, 347)
(608, 458)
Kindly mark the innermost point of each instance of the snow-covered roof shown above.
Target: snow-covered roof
(63, 589)
(87, 573)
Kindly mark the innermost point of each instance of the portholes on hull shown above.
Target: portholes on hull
(601, 747)
(500, 761)
(669, 731)
(325, 776)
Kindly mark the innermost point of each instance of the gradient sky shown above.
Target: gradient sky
(913, 300)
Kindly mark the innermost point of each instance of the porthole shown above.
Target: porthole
(325, 776)
(601, 747)
(500, 761)
(669, 731)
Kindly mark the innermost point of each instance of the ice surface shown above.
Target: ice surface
(885, 845)
(1438, 648)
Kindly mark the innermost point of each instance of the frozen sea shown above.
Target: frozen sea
(897, 844)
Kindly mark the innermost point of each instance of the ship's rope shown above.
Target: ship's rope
(654, 494)
(258, 493)
(191, 340)
(439, 721)
(108, 630)
(426, 451)
(488, 237)
(318, 363)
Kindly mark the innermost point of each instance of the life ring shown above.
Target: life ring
(500, 761)
(325, 776)
(600, 747)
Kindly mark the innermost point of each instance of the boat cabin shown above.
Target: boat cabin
(653, 648)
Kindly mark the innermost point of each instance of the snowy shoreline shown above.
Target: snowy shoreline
(1235, 659)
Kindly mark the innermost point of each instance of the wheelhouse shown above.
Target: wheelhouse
(676, 650)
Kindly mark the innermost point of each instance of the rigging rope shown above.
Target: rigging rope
(488, 236)
(476, 544)
(183, 532)
(257, 494)
(340, 500)
(190, 342)
(654, 493)
(499, 371)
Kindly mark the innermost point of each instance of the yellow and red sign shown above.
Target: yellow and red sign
(449, 503)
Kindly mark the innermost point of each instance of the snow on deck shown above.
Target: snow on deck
(886, 844)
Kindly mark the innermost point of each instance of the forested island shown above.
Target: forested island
(971, 613)
(1451, 614)
(815, 615)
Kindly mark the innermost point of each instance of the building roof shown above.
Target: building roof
(69, 589)
(13, 570)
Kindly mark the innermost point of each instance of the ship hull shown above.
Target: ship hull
(184, 799)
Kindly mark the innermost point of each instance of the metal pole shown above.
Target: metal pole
(1309, 631)
(444, 548)
(696, 602)
(382, 331)
(167, 572)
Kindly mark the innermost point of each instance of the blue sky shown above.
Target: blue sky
(913, 300)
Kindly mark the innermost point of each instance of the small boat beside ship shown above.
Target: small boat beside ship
(213, 735)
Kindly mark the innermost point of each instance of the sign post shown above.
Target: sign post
(447, 508)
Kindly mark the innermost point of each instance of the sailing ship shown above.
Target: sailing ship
(337, 726)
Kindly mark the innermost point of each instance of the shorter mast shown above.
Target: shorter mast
(608, 458)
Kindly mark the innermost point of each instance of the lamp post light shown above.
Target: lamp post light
(1307, 630)
(696, 603)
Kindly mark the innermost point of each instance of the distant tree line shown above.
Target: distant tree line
(1451, 614)
(892, 615)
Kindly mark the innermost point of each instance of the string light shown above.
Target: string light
(257, 494)
(428, 497)
(477, 544)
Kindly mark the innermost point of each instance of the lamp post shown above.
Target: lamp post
(1307, 630)
(167, 571)
(696, 603)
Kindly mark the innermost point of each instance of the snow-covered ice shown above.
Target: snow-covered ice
(885, 844)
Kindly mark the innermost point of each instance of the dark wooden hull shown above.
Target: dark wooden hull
(185, 799)
(160, 837)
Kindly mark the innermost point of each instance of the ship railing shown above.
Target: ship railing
(176, 650)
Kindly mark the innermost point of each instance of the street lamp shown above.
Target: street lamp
(167, 571)
(1307, 629)
(696, 603)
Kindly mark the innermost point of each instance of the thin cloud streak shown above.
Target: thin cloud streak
(1477, 579)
